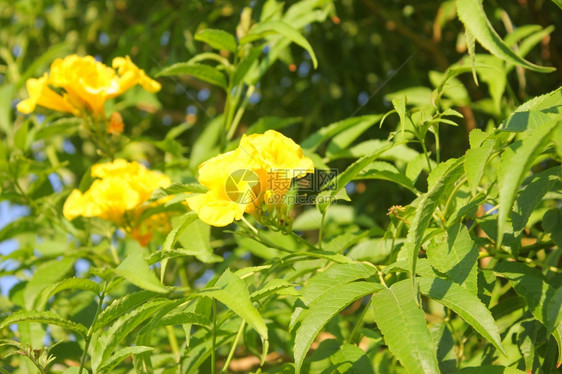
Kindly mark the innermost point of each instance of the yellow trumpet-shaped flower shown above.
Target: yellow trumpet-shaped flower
(118, 196)
(238, 181)
(82, 83)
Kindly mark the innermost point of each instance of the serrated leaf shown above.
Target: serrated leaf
(109, 339)
(47, 317)
(232, 292)
(218, 39)
(120, 355)
(66, 284)
(350, 359)
(515, 163)
(196, 236)
(465, 304)
(121, 306)
(180, 318)
(182, 223)
(280, 27)
(162, 255)
(456, 255)
(323, 309)
(274, 286)
(472, 15)
(327, 281)
(202, 72)
(474, 163)
(490, 369)
(63, 126)
(341, 180)
(135, 269)
(344, 139)
(402, 323)
(327, 132)
(425, 210)
(530, 284)
(45, 275)
(531, 195)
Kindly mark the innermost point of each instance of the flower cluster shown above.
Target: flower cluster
(244, 180)
(79, 84)
(119, 195)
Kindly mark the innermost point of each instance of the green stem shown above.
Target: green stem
(173, 343)
(233, 348)
(351, 338)
(321, 229)
(422, 141)
(452, 194)
(214, 339)
(437, 147)
(88, 337)
(240, 113)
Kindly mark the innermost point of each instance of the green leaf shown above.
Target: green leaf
(271, 123)
(532, 194)
(456, 255)
(279, 27)
(66, 284)
(275, 286)
(246, 65)
(426, 208)
(120, 355)
(197, 237)
(63, 126)
(344, 139)
(529, 120)
(232, 292)
(551, 223)
(47, 317)
(121, 306)
(327, 132)
(402, 323)
(350, 359)
(109, 339)
(341, 180)
(326, 282)
(135, 269)
(475, 161)
(515, 164)
(386, 171)
(202, 72)
(218, 39)
(45, 275)
(180, 318)
(530, 284)
(323, 309)
(180, 225)
(490, 369)
(465, 304)
(472, 15)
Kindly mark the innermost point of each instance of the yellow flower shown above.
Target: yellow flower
(41, 94)
(219, 206)
(263, 165)
(82, 83)
(274, 152)
(118, 195)
(280, 160)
